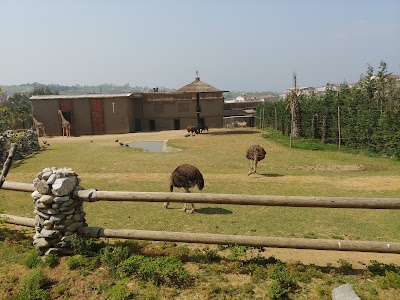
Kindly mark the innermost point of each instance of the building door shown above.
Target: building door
(152, 125)
(177, 124)
(138, 124)
(97, 111)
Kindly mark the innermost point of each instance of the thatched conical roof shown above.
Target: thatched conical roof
(197, 86)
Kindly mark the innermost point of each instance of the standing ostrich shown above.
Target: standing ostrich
(185, 176)
(255, 153)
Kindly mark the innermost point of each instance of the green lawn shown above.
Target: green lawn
(220, 156)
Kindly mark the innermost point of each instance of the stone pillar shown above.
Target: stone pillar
(58, 213)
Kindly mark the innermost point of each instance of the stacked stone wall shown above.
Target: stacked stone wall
(58, 213)
(27, 143)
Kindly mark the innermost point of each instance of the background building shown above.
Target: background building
(132, 112)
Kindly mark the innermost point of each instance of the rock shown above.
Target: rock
(59, 227)
(65, 205)
(48, 224)
(41, 186)
(41, 206)
(69, 212)
(40, 243)
(51, 234)
(46, 199)
(61, 199)
(344, 292)
(74, 226)
(51, 179)
(63, 186)
(48, 211)
(57, 218)
(77, 217)
(36, 195)
(46, 175)
(44, 216)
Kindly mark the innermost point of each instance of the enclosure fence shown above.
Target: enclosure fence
(224, 239)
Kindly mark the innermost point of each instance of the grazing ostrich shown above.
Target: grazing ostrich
(254, 154)
(192, 129)
(185, 176)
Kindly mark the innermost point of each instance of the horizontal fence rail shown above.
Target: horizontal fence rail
(224, 239)
(235, 199)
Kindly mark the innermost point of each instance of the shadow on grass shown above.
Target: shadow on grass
(213, 211)
(271, 175)
(19, 162)
(234, 132)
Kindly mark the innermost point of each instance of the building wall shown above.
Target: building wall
(82, 121)
(116, 114)
(165, 108)
(45, 111)
(140, 112)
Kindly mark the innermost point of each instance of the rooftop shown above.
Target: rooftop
(197, 86)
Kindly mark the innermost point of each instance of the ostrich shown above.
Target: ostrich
(185, 176)
(192, 129)
(255, 153)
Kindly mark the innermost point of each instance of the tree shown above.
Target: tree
(294, 105)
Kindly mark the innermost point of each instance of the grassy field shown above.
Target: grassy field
(102, 163)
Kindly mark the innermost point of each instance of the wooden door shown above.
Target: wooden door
(97, 111)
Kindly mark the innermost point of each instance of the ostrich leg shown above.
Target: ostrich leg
(185, 206)
(255, 166)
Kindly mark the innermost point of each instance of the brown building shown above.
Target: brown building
(132, 112)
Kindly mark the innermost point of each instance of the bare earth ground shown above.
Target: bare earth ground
(316, 257)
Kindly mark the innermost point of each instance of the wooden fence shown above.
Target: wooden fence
(223, 239)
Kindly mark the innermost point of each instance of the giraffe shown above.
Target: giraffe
(66, 126)
(38, 125)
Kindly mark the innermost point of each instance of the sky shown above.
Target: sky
(235, 45)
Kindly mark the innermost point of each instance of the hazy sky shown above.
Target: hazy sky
(246, 45)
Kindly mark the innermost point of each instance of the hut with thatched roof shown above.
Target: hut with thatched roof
(196, 103)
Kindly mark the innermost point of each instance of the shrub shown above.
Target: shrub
(390, 280)
(33, 287)
(33, 259)
(112, 256)
(380, 268)
(283, 282)
(158, 270)
(119, 292)
(83, 262)
(84, 246)
(345, 266)
(51, 260)
(238, 251)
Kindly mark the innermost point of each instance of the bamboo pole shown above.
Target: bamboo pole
(225, 239)
(7, 164)
(262, 200)
(18, 220)
(18, 186)
(255, 241)
(339, 126)
(235, 199)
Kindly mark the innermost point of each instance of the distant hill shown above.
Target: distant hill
(81, 89)
(108, 89)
